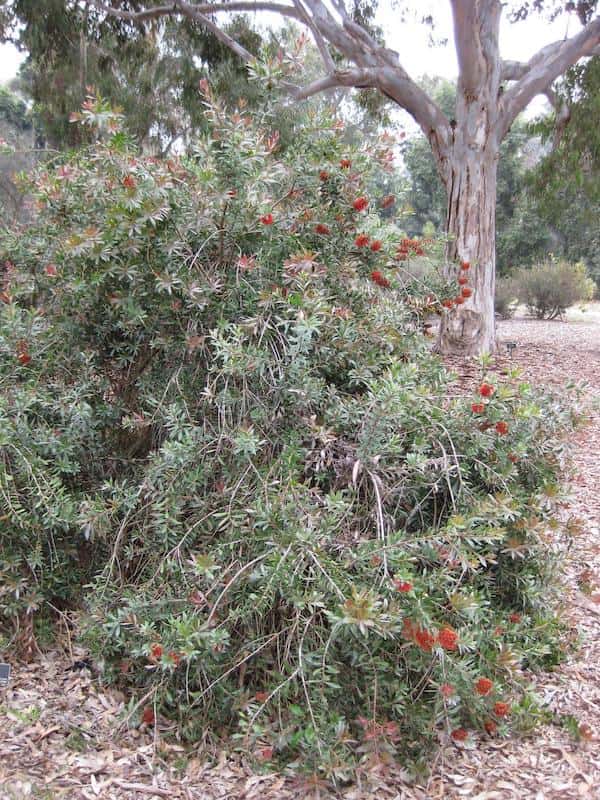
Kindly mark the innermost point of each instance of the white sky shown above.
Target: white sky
(518, 42)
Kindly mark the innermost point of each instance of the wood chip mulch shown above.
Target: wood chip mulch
(60, 734)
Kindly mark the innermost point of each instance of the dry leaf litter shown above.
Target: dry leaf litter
(61, 734)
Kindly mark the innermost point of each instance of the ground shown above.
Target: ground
(60, 734)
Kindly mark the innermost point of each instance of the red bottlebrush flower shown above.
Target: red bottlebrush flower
(129, 182)
(459, 300)
(265, 754)
(502, 428)
(498, 630)
(515, 618)
(322, 229)
(360, 204)
(465, 265)
(175, 658)
(148, 715)
(403, 586)
(156, 651)
(362, 240)
(483, 686)
(232, 193)
(323, 175)
(486, 390)
(345, 163)
(448, 638)
(446, 690)
(246, 262)
(51, 270)
(466, 291)
(419, 251)
(448, 303)
(424, 639)
(462, 280)
(501, 709)
(477, 408)
(261, 697)
(490, 727)
(459, 735)
(376, 245)
(24, 358)
(380, 279)
(388, 201)
(512, 457)
(267, 219)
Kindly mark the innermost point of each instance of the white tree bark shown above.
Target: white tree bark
(466, 152)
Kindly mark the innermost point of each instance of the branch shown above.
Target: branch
(464, 15)
(543, 69)
(319, 41)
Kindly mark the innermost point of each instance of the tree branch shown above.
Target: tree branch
(542, 70)
(465, 19)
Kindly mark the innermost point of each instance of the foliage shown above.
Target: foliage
(218, 408)
(150, 71)
(548, 289)
(565, 182)
(505, 297)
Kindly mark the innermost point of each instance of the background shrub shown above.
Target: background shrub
(505, 299)
(550, 288)
(218, 409)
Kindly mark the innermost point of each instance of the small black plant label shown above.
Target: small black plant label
(4, 674)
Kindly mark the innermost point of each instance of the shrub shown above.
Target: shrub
(550, 288)
(505, 298)
(229, 424)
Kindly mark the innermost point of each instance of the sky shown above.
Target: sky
(517, 42)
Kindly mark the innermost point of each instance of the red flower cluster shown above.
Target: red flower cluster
(129, 182)
(51, 270)
(360, 203)
(486, 390)
(261, 697)
(459, 735)
(490, 727)
(459, 300)
(466, 291)
(403, 586)
(477, 408)
(388, 201)
(378, 278)
(501, 709)
(448, 638)
(408, 246)
(448, 303)
(484, 686)
(446, 690)
(345, 163)
(362, 240)
(267, 219)
(502, 428)
(148, 715)
(462, 280)
(322, 229)
(515, 617)
(376, 245)
(465, 265)
(175, 658)
(512, 457)
(323, 175)
(156, 651)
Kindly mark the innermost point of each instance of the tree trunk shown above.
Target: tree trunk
(469, 328)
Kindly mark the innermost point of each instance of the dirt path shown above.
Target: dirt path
(57, 729)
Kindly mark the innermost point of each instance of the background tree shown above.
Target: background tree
(16, 141)
(151, 73)
(491, 94)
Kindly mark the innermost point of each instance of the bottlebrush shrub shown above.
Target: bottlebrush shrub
(290, 532)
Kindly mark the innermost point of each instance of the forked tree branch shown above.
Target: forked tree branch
(541, 71)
